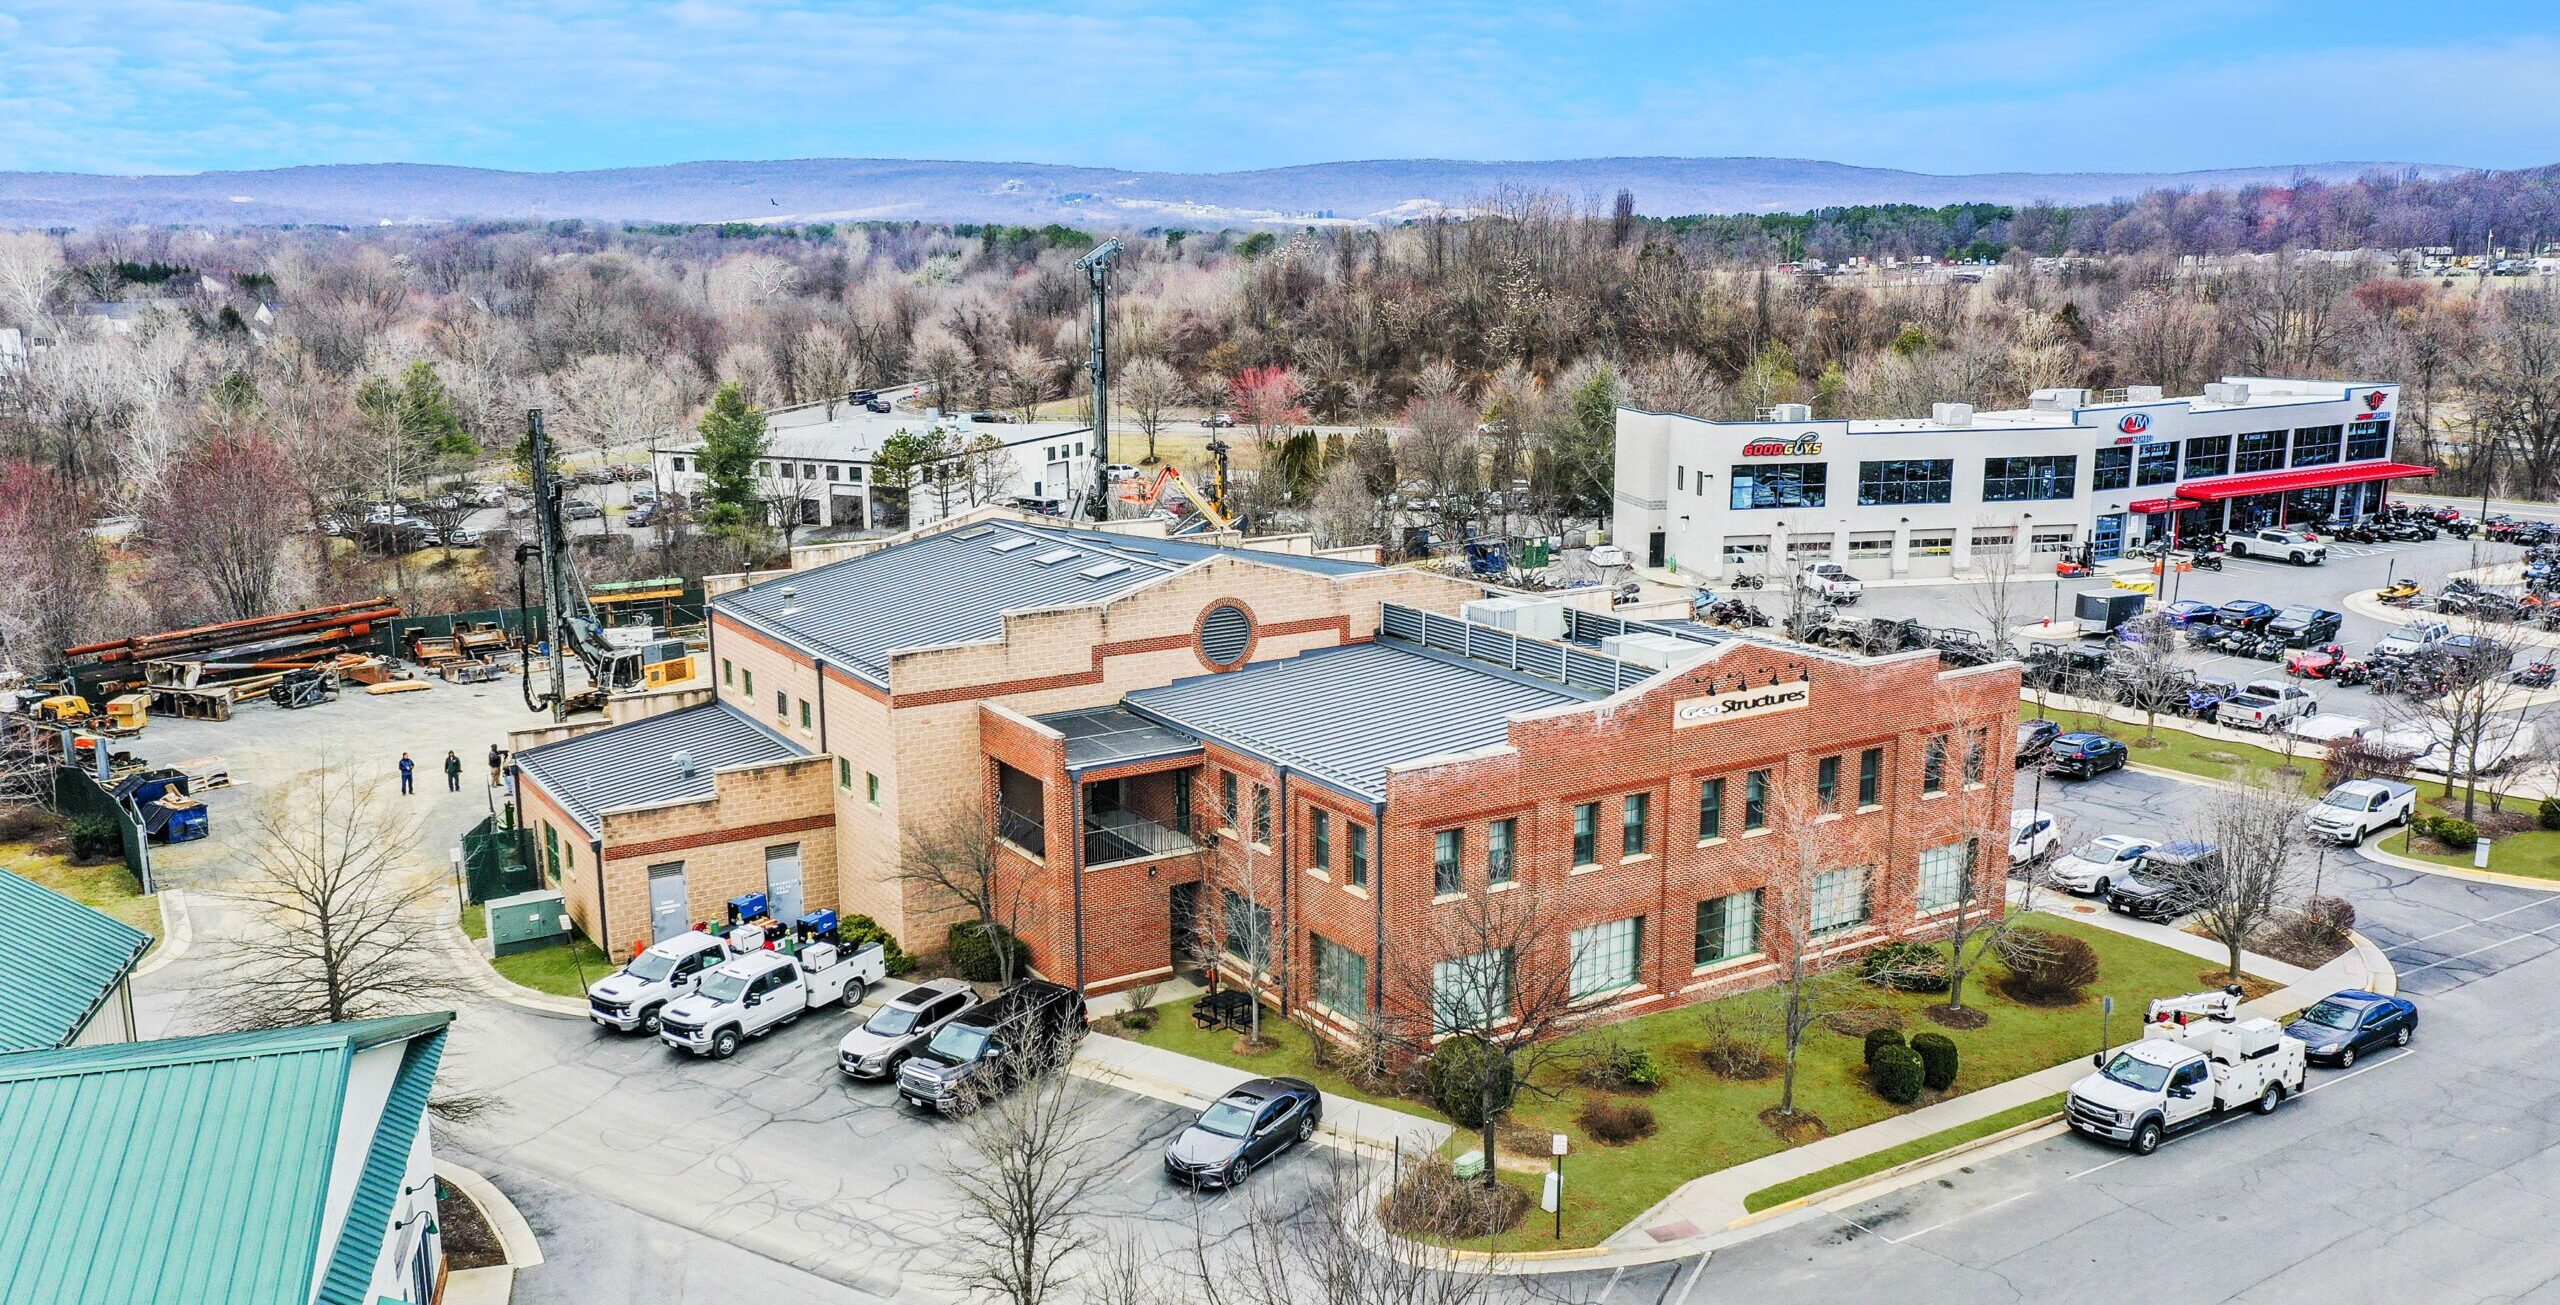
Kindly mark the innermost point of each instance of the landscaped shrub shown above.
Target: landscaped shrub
(1937, 1054)
(96, 838)
(1879, 1039)
(1433, 1201)
(2452, 831)
(1617, 1122)
(2047, 968)
(2330, 916)
(1619, 1067)
(1898, 1074)
(2549, 816)
(1905, 967)
(861, 931)
(1458, 1074)
(974, 956)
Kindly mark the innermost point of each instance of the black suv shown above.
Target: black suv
(986, 1051)
(2304, 627)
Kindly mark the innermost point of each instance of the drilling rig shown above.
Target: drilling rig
(1096, 267)
(618, 659)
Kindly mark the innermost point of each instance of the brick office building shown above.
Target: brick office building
(1355, 808)
(846, 698)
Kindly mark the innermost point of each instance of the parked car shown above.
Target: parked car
(878, 405)
(578, 509)
(2291, 545)
(1248, 1127)
(462, 537)
(902, 1024)
(630, 998)
(1217, 420)
(757, 993)
(2303, 626)
(1121, 471)
(2035, 738)
(2082, 754)
(2481, 648)
(2343, 1025)
(2356, 809)
(2412, 638)
(2182, 1075)
(1831, 582)
(985, 1051)
(2095, 865)
(2032, 835)
(2188, 611)
(2244, 614)
(2159, 887)
(642, 517)
(2266, 705)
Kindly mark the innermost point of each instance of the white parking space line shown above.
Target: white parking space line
(2448, 960)
(2474, 924)
(1614, 1275)
(1694, 1275)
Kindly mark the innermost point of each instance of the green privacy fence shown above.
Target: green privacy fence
(497, 860)
(77, 795)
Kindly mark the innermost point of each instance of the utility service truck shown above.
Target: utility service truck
(2196, 1058)
(631, 998)
(754, 994)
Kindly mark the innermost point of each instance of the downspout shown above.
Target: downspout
(1075, 864)
(1288, 932)
(1378, 898)
(821, 664)
(604, 910)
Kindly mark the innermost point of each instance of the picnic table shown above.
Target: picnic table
(1230, 1008)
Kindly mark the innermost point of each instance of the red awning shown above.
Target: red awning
(2278, 482)
(2152, 507)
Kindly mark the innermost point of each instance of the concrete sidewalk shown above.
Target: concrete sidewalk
(1713, 1204)
(1190, 1081)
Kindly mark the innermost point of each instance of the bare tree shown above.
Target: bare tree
(1319, 1246)
(227, 522)
(1150, 387)
(1979, 915)
(2250, 876)
(1028, 1168)
(950, 853)
(2477, 723)
(1993, 600)
(1798, 915)
(793, 497)
(353, 932)
(1492, 975)
(2145, 672)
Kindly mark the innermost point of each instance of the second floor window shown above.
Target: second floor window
(1631, 839)
(1356, 870)
(1320, 839)
(1933, 766)
(1262, 815)
(1870, 777)
(1710, 809)
(1444, 863)
(1755, 800)
(1586, 833)
(1498, 864)
(1826, 782)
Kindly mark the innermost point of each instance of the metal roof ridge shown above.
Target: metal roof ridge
(1574, 693)
(202, 1048)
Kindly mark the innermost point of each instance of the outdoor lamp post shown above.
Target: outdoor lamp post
(1553, 1198)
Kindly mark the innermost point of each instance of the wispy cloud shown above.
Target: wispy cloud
(173, 85)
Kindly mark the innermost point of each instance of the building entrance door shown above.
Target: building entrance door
(2106, 542)
(670, 911)
(1656, 548)
(782, 881)
(1184, 931)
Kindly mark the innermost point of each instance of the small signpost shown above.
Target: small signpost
(1552, 1199)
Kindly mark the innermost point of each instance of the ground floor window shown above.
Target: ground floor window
(1942, 876)
(1342, 977)
(1749, 553)
(1248, 929)
(1471, 992)
(1936, 544)
(2054, 540)
(1728, 927)
(1605, 957)
(1870, 548)
(1802, 551)
(1839, 900)
(1994, 541)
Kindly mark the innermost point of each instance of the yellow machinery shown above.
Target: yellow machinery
(127, 713)
(666, 663)
(62, 708)
(1152, 491)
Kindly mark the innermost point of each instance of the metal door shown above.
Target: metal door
(670, 911)
(2106, 543)
(782, 881)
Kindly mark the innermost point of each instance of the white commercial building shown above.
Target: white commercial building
(2072, 471)
(821, 457)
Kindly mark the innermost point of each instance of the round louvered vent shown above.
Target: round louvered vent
(1226, 635)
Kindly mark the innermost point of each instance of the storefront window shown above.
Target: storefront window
(2209, 455)
(1906, 480)
(2112, 470)
(1780, 484)
(2024, 480)
(2156, 464)
(2368, 439)
(2261, 451)
(2316, 446)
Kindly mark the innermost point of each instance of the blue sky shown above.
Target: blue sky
(186, 85)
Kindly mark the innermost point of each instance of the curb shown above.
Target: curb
(497, 987)
(177, 933)
(2376, 854)
(1889, 1179)
(2379, 974)
(1156, 1089)
(495, 1284)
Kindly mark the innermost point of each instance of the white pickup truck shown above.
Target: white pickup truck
(2356, 809)
(1832, 583)
(630, 998)
(2182, 1073)
(2265, 705)
(757, 993)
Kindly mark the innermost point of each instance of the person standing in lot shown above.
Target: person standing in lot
(452, 771)
(497, 766)
(408, 775)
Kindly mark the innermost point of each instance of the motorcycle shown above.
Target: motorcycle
(2539, 675)
(1748, 582)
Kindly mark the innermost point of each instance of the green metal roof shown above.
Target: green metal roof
(197, 1169)
(58, 962)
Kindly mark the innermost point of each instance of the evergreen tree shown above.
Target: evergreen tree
(733, 438)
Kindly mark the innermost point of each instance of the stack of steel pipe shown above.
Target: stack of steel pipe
(259, 643)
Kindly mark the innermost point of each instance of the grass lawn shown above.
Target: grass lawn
(1294, 1054)
(106, 886)
(2197, 755)
(563, 970)
(2533, 852)
(1822, 1180)
(1706, 1123)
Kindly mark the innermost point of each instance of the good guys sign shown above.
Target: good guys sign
(1734, 704)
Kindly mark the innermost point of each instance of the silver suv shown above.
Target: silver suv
(901, 1025)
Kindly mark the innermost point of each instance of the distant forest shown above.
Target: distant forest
(2517, 210)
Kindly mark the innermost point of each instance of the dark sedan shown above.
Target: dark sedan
(2303, 627)
(2083, 755)
(2189, 611)
(1253, 1123)
(2035, 738)
(2244, 614)
(2342, 1024)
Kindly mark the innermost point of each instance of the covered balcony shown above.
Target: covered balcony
(1138, 818)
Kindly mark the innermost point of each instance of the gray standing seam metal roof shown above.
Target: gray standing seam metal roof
(954, 587)
(1344, 715)
(626, 765)
(58, 960)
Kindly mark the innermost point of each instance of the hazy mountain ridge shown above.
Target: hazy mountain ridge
(926, 190)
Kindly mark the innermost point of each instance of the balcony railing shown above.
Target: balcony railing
(1111, 836)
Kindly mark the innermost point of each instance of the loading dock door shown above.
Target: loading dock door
(782, 881)
(670, 911)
